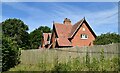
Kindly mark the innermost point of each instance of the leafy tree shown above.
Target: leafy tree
(107, 38)
(17, 29)
(10, 53)
(36, 35)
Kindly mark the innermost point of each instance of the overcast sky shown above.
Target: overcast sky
(101, 16)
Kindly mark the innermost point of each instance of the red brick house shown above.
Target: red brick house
(68, 35)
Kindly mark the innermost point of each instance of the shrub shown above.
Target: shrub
(10, 53)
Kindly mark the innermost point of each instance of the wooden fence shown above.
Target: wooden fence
(65, 54)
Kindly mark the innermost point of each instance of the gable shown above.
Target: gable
(83, 36)
(78, 25)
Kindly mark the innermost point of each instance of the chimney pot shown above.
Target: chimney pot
(67, 21)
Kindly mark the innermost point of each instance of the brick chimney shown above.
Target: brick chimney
(67, 21)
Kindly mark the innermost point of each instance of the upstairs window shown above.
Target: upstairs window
(84, 36)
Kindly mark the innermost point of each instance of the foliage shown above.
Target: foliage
(10, 53)
(94, 64)
(15, 36)
(36, 35)
(102, 59)
(15, 28)
(107, 38)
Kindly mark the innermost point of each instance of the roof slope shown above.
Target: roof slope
(62, 30)
(66, 42)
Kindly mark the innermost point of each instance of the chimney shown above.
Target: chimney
(67, 21)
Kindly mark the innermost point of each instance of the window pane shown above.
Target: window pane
(84, 36)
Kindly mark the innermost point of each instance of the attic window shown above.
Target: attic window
(83, 29)
(84, 36)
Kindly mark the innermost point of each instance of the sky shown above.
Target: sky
(101, 16)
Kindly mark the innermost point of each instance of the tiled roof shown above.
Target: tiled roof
(63, 42)
(62, 30)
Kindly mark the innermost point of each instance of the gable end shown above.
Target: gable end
(84, 21)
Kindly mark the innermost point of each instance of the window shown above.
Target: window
(83, 29)
(84, 36)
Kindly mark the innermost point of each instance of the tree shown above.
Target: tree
(107, 38)
(36, 35)
(17, 29)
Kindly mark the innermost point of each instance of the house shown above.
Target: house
(67, 35)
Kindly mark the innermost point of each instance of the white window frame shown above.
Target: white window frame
(84, 36)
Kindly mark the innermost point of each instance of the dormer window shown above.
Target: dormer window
(84, 36)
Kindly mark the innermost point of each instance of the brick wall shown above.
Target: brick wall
(77, 41)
